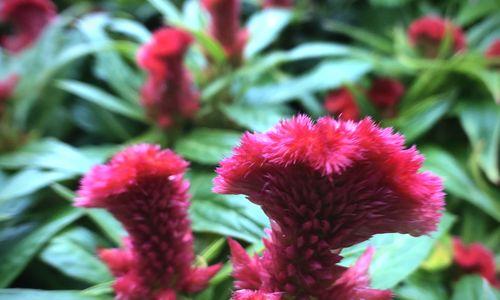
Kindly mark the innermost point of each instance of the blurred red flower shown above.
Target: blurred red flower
(326, 186)
(7, 87)
(225, 27)
(278, 3)
(26, 19)
(428, 32)
(476, 259)
(144, 189)
(385, 94)
(493, 50)
(169, 93)
(342, 103)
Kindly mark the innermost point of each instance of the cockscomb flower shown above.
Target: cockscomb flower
(144, 189)
(342, 103)
(326, 186)
(225, 26)
(7, 87)
(477, 259)
(278, 3)
(23, 22)
(169, 93)
(428, 32)
(385, 94)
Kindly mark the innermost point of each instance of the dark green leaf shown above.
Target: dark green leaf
(27, 294)
(264, 27)
(254, 117)
(474, 287)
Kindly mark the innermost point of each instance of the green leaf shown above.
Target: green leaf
(316, 50)
(419, 118)
(396, 255)
(328, 75)
(379, 43)
(390, 3)
(28, 181)
(481, 123)
(20, 252)
(168, 10)
(28, 294)
(225, 215)
(207, 146)
(474, 287)
(421, 287)
(264, 28)
(102, 98)
(51, 154)
(74, 261)
(255, 118)
(457, 181)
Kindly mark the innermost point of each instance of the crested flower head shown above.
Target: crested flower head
(326, 186)
(25, 20)
(477, 259)
(7, 87)
(144, 189)
(278, 3)
(168, 92)
(225, 26)
(428, 32)
(342, 103)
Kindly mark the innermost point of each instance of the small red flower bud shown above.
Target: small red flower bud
(144, 189)
(476, 259)
(342, 103)
(428, 32)
(26, 19)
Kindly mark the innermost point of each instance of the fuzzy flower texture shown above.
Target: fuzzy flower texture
(325, 186)
(22, 22)
(169, 93)
(143, 187)
(428, 32)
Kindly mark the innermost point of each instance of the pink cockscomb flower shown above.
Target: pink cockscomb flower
(476, 259)
(342, 103)
(326, 186)
(25, 20)
(143, 187)
(7, 87)
(278, 3)
(385, 94)
(225, 26)
(169, 93)
(428, 32)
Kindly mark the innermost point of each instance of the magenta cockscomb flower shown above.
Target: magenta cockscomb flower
(342, 103)
(169, 93)
(26, 20)
(225, 26)
(143, 187)
(326, 186)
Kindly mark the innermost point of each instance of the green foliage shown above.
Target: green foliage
(78, 102)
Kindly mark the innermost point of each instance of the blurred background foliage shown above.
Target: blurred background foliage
(77, 102)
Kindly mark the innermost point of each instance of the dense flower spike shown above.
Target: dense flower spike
(326, 186)
(385, 94)
(428, 32)
(7, 87)
(225, 26)
(475, 258)
(168, 93)
(342, 103)
(24, 21)
(278, 3)
(143, 187)
(493, 50)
